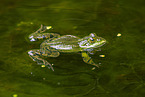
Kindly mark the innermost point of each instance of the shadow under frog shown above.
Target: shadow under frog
(54, 44)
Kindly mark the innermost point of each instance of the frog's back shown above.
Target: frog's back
(66, 38)
(66, 43)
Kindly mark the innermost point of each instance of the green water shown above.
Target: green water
(122, 71)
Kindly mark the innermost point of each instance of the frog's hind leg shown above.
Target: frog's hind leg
(36, 56)
(49, 52)
(40, 35)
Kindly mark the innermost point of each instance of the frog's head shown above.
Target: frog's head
(92, 41)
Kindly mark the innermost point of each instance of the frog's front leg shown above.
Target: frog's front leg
(88, 59)
(40, 35)
(36, 54)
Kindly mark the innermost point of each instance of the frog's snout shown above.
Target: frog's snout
(104, 40)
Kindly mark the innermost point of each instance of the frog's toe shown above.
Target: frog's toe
(45, 63)
(48, 65)
(97, 65)
(39, 63)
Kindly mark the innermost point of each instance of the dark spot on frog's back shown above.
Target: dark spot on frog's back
(51, 36)
(43, 36)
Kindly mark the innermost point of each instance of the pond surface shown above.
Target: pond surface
(122, 71)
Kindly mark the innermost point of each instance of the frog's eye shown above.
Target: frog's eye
(92, 40)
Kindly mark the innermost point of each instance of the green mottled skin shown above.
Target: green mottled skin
(54, 44)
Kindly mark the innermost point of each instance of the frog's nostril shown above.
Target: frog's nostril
(98, 39)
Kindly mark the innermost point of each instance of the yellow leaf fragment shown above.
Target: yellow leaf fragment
(93, 68)
(48, 27)
(119, 34)
(42, 65)
(102, 55)
(15, 95)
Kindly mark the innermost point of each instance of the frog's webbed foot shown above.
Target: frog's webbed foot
(88, 59)
(35, 55)
(46, 63)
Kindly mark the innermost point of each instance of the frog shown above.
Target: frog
(54, 44)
